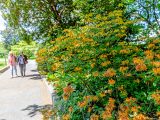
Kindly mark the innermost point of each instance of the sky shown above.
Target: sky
(2, 25)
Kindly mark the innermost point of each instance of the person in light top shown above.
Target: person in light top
(12, 61)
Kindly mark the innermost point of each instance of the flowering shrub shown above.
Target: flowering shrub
(100, 76)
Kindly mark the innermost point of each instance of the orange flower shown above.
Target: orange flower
(95, 98)
(156, 97)
(108, 109)
(158, 56)
(140, 117)
(122, 69)
(94, 117)
(65, 97)
(125, 62)
(95, 74)
(151, 45)
(77, 69)
(158, 113)
(105, 63)
(111, 82)
(156, 63)
(110, 73)
(92, 65)
(68, 90)
(134, 109)
(89, 109)
(141, 67)
(137, 61)
(82, 104)
(70, 109)
(66, 117)
(124, 51)
(156, 71)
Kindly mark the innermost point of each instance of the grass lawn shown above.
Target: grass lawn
(2, 63)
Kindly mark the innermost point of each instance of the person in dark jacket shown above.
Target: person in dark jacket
(22, 61)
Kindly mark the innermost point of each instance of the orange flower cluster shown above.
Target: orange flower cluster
(156, 71)
(94, 117)
(70, 109)
(124, 51)
(67, 91)
(105, 63)
(129, 106)
(151, 45)
(66, 117)
(149, 54)
(107, 114)
(95, 74)
(77, 69)
(103, 56)
(137, 61)
(109, 73)
(123, 113)
(87, 99)
(158, 56)
(156, 63)
(141, 67)
(156, 97)
(111, 82)
(140, 117)
(125, 62)
(123, 69)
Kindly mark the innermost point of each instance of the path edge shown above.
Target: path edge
(4, 69)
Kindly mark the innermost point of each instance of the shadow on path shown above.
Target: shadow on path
(35, 109)
(34, 76)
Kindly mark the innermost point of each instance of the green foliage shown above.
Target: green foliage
(28, 49)
(99, 75)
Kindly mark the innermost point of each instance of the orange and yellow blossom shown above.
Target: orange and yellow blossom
(123, 69)
(124, 51)
(105, 63)
(70, 109)
(156, 71)
(108, 109)
(156, 97)
(141, 67)
(82, 104)
(125, 62)
(111, 82)
(95, 74)
(158, 56)
(65, 97)
(149, 54)
(138, 61)
(156, 63)
(68, 90)
(94, 117)
(77, 69)
(110, 73)
(140, 117)
(66, 117)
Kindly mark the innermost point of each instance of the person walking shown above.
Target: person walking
(22, 61)
(12, 61)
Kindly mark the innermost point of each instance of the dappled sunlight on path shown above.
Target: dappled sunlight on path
(21, 98)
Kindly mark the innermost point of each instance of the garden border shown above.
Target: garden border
(4, 69)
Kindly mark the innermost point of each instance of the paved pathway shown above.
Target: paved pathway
(21, 98)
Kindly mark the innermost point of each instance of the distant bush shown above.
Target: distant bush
(28, 49)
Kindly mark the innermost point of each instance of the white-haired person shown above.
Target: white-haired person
(12, 61)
